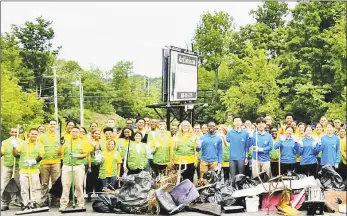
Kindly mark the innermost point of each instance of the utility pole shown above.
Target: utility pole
(81, 101)
(148, 87)
(55, 94)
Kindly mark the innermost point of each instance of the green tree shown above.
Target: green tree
(212, 39)
(309, 62)
(271, 13)
(37, 53)
(253, 90)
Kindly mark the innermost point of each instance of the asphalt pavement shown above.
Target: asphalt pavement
(53, 211)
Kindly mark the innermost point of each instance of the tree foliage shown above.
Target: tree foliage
(34, 39)
(273, 66)
(212, 38)
(307, 54)
(17, 107)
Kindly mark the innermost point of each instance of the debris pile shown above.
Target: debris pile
(286, 194)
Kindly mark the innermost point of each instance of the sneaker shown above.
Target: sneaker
(4, 208)
(36, 205)
(62, 209)
(44, 204)
(25, 207)
(81, 206)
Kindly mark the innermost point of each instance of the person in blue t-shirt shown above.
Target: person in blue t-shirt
(289, 146)
(330, 147)
(212, 150)
(239, 142)
(308, 152)
(262, 144)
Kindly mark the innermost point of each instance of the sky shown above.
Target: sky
(100, 34)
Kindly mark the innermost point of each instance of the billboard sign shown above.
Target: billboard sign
(183, 73)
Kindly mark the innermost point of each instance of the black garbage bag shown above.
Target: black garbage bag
(241, 181)
(106, 203)
(210, 194)
(212, 176)
(57, 188)
(330, 179)
(133, 195)
(215, 194)
(299, 176)
(227, 198)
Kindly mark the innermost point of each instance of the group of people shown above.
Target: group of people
(99, 157)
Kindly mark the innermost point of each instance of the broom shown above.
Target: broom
(74, 209)
(12, 186)
(32, 205)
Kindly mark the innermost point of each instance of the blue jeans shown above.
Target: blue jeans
(109, 180)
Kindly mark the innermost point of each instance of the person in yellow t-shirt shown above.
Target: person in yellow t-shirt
(122, 143)
(162, 150)
(93, 183)
(185, 150)
(41, 129)
(197, 132)
(50, 164)
(110, 165)
(137, 155)
(343, 165)
(68, 128)
(7, 167)
(74, 151)
(337, 125)
(112, 124)
(93, 126)
(323, 121)
(223, 130)
(31, 153)
(289, 118)
(108, 132)
(300, 133)
(274, 154)
(318, 133)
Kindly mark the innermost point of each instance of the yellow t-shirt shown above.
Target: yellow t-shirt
(30, 146)
(51, 138)
(343, 150)
(180, 159)
(108, 162)
(85, 147)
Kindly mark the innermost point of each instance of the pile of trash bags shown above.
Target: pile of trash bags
(221, 193)
(242, 181)
(107, 203)
(330, 179)
(132, 197)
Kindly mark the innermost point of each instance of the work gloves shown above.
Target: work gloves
(282, 138)
(250, 133)
(218, 168)
(98, 156)
(73, 155)
(30, 162)
(14, 142)
(298, 140)
(257, 149)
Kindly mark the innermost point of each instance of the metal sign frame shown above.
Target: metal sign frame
(168, 78)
